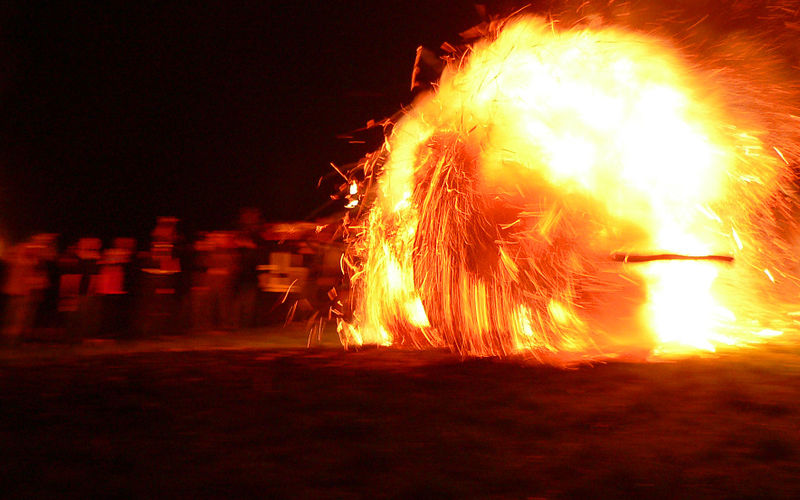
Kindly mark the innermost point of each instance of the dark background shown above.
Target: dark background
(114, 112)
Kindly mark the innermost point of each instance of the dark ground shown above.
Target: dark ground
(261, 416)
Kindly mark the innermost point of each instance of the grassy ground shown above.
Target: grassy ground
(261, 415)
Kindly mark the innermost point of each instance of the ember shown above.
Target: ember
(574, 194)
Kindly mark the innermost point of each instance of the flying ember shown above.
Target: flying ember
(574, 194)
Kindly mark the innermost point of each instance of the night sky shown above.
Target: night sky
(114, 112)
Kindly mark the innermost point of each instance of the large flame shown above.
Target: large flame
(569, 193)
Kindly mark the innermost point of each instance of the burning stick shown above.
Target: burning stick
(632, 257)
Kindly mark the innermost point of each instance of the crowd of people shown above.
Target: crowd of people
(223, 280)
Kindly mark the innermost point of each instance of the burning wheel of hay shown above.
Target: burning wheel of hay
(573, 194)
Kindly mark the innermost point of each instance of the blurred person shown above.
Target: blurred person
(114, 286)
(69, 280)
(161, 272)
(85, 318)
(199, 289)
(285, 278)
(221, 268)
(325, 267)
(24, 287)
(47, 311)
(251, 252)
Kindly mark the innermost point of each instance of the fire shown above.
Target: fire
(502, 198)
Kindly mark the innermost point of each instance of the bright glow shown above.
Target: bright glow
(504, 193)
(683, 311)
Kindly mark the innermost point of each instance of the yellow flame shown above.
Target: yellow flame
(590, 142)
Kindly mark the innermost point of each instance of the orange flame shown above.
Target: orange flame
(502, 195)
